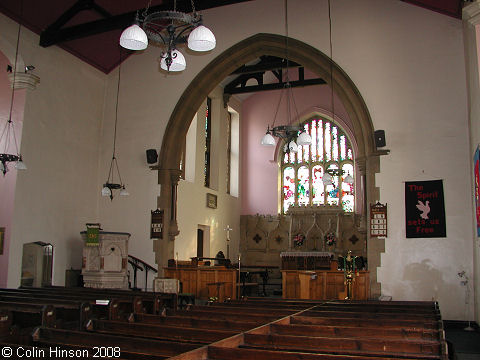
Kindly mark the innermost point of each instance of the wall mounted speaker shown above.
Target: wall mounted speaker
(152, 156)
(380, 138)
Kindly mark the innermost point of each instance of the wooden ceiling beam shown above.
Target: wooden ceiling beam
(274, 86)
(54, 35)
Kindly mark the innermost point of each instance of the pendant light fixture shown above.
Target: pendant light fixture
(110, 184)
(169, 29)
(330, 173)
(8, 138)
(293, 135)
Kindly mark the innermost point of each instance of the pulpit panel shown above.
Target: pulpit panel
(317, 286)
(188, 278)
(229, 278)
(334, 285)
(205, 278)
(290, 285)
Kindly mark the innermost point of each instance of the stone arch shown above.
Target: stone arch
(224, 64)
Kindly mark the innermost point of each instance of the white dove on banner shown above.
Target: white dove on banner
(424, 208)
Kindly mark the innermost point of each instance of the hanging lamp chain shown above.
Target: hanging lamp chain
(9, 126)
(331, 58)
(114, 162)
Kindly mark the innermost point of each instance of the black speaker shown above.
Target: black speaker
(380, 138)
(152, 156)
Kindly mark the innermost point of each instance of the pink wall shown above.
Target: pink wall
(259, 173)
(7, 182)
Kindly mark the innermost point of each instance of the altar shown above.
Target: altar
(313, 275)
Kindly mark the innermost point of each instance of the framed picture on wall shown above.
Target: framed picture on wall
(2, 239)
(211, 201)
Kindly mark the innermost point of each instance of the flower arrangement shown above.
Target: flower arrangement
(298, 240)
(330, 239)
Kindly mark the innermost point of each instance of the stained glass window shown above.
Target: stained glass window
(303, 172)
(208, 139)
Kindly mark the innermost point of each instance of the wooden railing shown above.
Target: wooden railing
(138, 264)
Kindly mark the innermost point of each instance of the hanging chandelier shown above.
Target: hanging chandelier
(110, 184)
(330, 173)
(8, 135)
(293, 135)
(169, 29)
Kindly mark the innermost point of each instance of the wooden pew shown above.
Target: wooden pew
(370, 315)
(378, 331)
(226, 309)
(130, 347)
(197, 323)
(153, 302)
(161, 332)
(228, 353)
(65, 310)
(5, 324)
(119, 307)
(424, 349)
(232, 316)
(28, 314)
(386, 323)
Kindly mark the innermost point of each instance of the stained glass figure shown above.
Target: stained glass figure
(303, 191)
(288, 187)
(318, 189)
(328, 142)
(347, 189)
(334, 143)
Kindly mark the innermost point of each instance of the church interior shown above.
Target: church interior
(311, 158)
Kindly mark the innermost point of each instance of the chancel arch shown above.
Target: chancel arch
(367, 156)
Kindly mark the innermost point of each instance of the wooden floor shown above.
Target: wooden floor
(137, 325)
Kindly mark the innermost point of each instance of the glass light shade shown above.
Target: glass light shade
(268, 140)
(304, 139)
(2, 167)
(134, 38)
(20, 165)
(106, 191)
(201, 39)
(327, 179)
(124, 192)
(293, 146)
(348, 179)
(178, 62)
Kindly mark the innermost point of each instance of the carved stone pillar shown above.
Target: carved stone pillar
(375, 246)
(164, 248)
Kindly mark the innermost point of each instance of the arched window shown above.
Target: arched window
(303, 172)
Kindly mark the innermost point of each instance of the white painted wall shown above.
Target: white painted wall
(57, 194)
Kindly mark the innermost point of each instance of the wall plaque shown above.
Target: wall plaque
(378, 220)
(211, 201)
(156, 229)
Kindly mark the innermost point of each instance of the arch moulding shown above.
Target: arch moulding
(224, 64)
